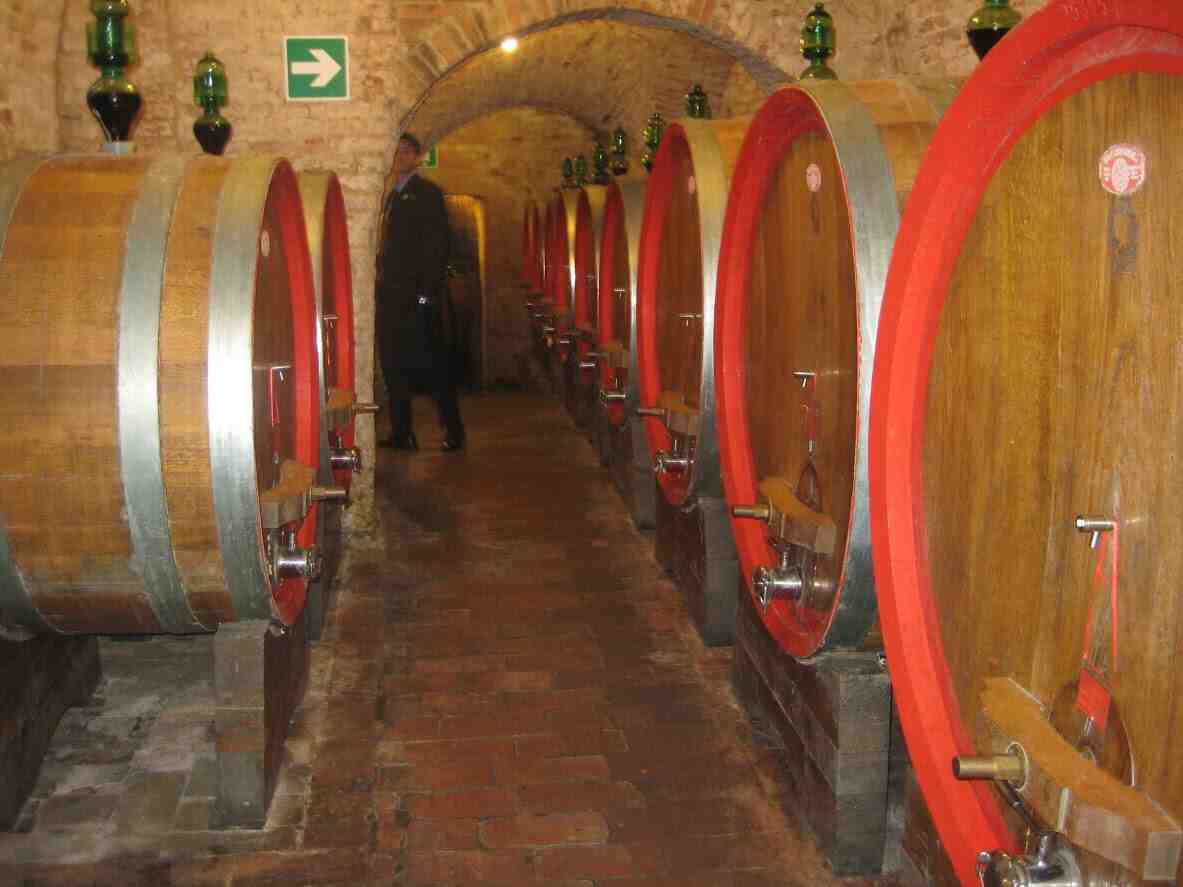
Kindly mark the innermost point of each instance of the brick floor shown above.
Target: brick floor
(508, 692)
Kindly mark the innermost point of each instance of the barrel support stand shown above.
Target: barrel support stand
(833, 717)
(39, 679)
(259, 678)
(697, 546)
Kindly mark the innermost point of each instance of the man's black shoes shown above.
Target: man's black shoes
(452, 444)
(406, 441)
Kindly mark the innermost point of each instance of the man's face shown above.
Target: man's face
(406, 158)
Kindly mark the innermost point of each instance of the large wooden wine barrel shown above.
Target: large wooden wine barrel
(562, 291)
(678, 260)
(581, 369)
(158, 317)
(812, 215)
(676, 276)
(621, 433)
(1025, 397)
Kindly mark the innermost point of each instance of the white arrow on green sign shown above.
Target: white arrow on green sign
(316, 69)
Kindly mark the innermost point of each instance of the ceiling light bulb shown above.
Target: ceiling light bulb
(509, 44)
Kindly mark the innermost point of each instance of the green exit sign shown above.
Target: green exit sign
(316, 69)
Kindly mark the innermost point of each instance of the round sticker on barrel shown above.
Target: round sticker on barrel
(1122, 169)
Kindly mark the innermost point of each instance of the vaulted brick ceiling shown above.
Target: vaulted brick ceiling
(602, 73)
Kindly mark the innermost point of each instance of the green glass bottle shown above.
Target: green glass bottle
(990, 24)
(110, 45)
(580, 171)
(568, 172)
(696, 103)
(600, 165)
(819, 40)
(651, 135)
(619, 152)
(210, 93)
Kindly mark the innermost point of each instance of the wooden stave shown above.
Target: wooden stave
(712, 159)
(1059, 51)
(162, 191)
(624, 207)
(876, 177)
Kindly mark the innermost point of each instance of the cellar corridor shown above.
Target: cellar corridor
(508, 692)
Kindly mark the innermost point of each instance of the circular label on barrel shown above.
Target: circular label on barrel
(265, 243)
(691, 185)
(813, 177)
(1122, 169)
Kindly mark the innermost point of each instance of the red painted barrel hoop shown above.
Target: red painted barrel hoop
(1058, 51)
(289, 595)
(783, 119)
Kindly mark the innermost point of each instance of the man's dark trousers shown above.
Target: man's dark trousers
(417, 358)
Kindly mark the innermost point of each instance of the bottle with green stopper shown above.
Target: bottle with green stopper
(619, 152)
(697, 106)
(651, 135)
(210, 93)
(990, 24)
(819, 39)
(114, 101)
(580, 171)
(568, 172)
(600, 165)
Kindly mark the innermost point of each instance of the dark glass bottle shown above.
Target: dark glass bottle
(696, 103)
(989, 24)
(619, 152)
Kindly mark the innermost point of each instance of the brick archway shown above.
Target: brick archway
(461, 37)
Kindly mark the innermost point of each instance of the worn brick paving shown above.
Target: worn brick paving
(509, 692)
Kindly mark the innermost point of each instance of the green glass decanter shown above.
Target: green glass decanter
(819, 39)
(210, 93)
(110, 45)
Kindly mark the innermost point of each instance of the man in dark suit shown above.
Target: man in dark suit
(409, 294)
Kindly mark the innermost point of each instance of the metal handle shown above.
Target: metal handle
(345, 459)
(756, 512)
(667, 463)
(1010, 767)
(587, 364)
(776, 584)
(1095, 526)
(564, 339)
(548, 330)
(655, 412)
(689, 317)
(297, 563)
(365, 408)
(328, 494)
(612, 396)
